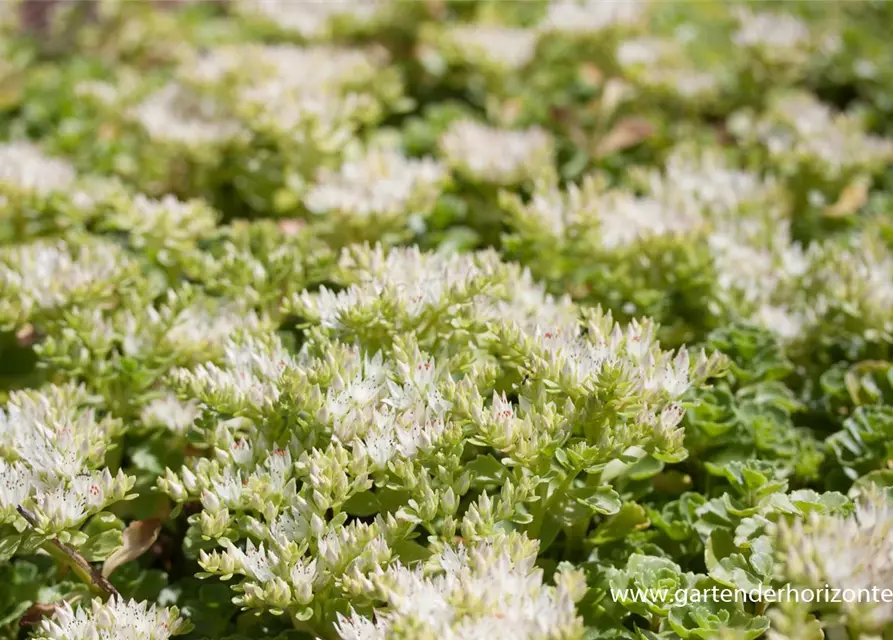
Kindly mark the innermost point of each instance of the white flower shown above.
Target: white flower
(578, 358)
(853, 552)
(781, 37)
(356, 627)
(770, 30)
(305, 70)
(117, 618)
(398, 419)
(68, 506)
(617, 219)
(25, 168)
(310, 19)
(48, 448)
(417, 280)
(17, 482)
(786, 323)
(626, 218)
(302, 576)
(661, 63)
(250, 374)
(704, 182)
(169, 218)
(756, 263)
(197, 325)
(466, 593)
(645, 51)
(46, 275)
(62, 502)
(382, 183)
(528, 306)
(171, 412)
(497, 156)
(766, 278)
(798, 126)
(505, 46)
(254, 562)
(178, 114)
(327, 119)
(315, 95)
(853, 277)
(352, 398)
(48, 430)
(592, 16)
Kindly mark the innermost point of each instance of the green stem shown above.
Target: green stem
(760, 607)
(655, 622)
(307, 626)
(539, 514)
(69, 557)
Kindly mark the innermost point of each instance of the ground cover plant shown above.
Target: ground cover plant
(391, 319)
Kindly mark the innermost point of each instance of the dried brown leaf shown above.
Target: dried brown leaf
(138, 537)
(37, 612)
(26, 336)
(627, 133)
(591, 74)
(852, 198)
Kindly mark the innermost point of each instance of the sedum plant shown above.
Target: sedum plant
(844, 553)
(372, 320)
(117, 618)
(54, 477)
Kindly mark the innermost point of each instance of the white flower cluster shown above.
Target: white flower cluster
(289, 87)
(625, 219)
(172, 413)
(488, 155)
(46, 275)
(527, 306)
(705, 182)
(614, 219)
(311, 20)
(799, 129)
(736, 221)
(160, 226)
(176, 113)
(308, 69)
(118, 618)
(26, 169)
(592, 16)
(379, 409)
(852, 279)
(216, 100)
(780, 37)
(654, 381)
(298, 444)
(502, 47)
(51, 458)
(437, 296)
(382, 183)
(281, 577)
(479, 591)
(412, 282)
(226, 100)
(248, 375)
(147, 340)
(583, 361)
(661, 64)
(792, 291)
(756, 265)
(853, 552)
(382, 416)
(392, 420)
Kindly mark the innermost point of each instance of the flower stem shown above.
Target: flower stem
(69, 557)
